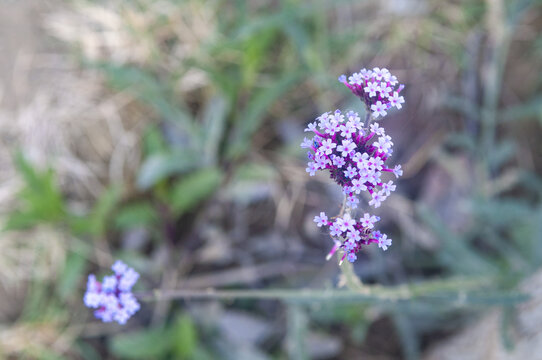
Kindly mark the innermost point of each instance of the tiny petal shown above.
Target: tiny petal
(351, 257)
(384, 242)
(119, 267)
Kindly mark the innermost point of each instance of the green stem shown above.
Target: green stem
(352, 281)
(458, 292)
(499, 30)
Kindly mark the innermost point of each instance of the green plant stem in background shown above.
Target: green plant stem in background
(499, 30)
(458, 292)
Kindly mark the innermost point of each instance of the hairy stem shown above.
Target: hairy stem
(459, 291)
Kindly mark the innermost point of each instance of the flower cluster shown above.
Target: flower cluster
(377, 88)
(354, 232)
(355, 154)
(112, 297)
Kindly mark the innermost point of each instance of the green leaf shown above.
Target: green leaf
(87, 351)
(531, 109)
(37, 298)
(250, 182)
(502, 153)
(41, 199)
(299, 36)
(95, 223)
(71, 275)
(150, 90)
(253, 116)
(144, 344)
(212, 132)
(255, 171)
(407, 335)
(153, 142)
(103, 208)
(456, 252)
(194, 188)
(297, 331)
(184, 337)
(136, 215)
(160, 166)
(507, 319)
(255, 54)
(501, 213)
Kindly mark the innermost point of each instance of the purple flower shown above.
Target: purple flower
(119, 267)
(384, 242)
(112, 297)
(371, 88)
(128, 279)
(338, 161)
(346, 147)
(352, 235)
(368, 221)
(352, 201)
(378, 89)
(388, 187)
(328, 146)
(355, 161)
(397, 171)
(379, 109)
(350, 172)
(375, 128)
(355, 154)
(311, 168)
(396, 100)
(351, 257)
(377, 199)
(335, 229)
(321, 220)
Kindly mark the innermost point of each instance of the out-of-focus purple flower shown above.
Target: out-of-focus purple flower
(112, 298)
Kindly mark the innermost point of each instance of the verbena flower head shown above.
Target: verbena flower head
(377, 88)
(354, 233)
(354, 156)
(112, 297)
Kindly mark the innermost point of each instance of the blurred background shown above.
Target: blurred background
(166, 133)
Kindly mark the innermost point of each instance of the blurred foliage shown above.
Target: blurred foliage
(265, 63)
(178, 341)
(40, 199)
